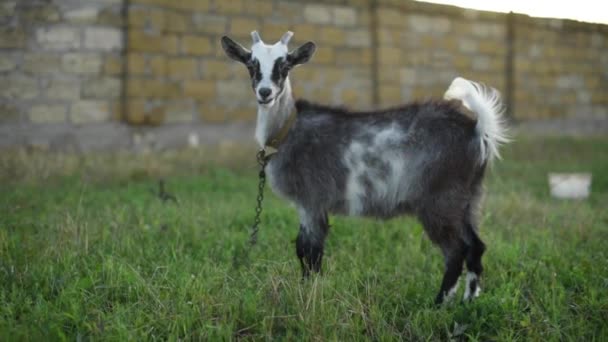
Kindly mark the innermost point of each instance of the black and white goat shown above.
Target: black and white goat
(425, 159)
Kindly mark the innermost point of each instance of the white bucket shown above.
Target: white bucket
(570, 185)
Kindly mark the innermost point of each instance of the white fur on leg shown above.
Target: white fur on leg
(471, 277)
(451, 292)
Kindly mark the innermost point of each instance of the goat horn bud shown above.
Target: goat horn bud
(286, 37)
(255, 36)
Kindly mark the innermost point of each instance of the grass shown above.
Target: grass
(92, 256)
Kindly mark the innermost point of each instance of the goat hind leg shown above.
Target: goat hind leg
(454, 254)
(474, 266)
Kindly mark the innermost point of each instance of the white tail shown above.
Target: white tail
(486, 103)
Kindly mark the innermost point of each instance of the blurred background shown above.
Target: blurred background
(150, 74)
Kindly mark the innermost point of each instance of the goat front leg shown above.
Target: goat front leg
(311, 239)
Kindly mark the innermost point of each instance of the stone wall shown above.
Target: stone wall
(177, 71)
(560, 69)
(124, 73)
(60, 62)
(422, 47)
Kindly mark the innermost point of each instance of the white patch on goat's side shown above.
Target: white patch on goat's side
(471, 277)
(387, 184)
(354, 189)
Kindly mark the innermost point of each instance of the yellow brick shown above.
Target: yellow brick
(156, 116)
(491, 47)
(347, 57)
(447, 43)
(137, 17)
(351, 96)
(196, 46)
(242, 114)
(390, 95)
(200, 90)
(353, 57)
(213, 114)
(116, 111)
(334, 76)
(176, 22)
(389, 56)
(182, 68)
(323, 94)
(229, 7)
(298, 89)
(213, 69)
(136, 64)
(592, 82)
(170, 42)
(258, 8)
(135, 112)
(324, 55)
(113, 65)
(151, 88)
(462, 62)
(303, 75)
(139, 41)
(156, 18)
(158, 66)
(391, 17)
(243, 26)
(305, 32)
(420, 93)
(193, 5)
(271, 32)
(215, 26)
(331, 35)
(427, 42)
(366, 57)
(288, 11)
(388, 75)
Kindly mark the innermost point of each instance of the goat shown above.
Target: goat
(424, 159)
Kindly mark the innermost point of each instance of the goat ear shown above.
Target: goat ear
(235, 50)
(302, 54)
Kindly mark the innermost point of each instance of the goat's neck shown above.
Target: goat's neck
(271, 119)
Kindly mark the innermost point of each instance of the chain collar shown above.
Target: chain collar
(262, 161)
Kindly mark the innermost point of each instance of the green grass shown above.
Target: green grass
(100, 257)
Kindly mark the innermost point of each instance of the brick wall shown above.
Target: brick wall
(60, 61)
(177, 71)
(118, 73)
(560, 69)
(423, 47)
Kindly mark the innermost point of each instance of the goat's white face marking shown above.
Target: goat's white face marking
(268, 70)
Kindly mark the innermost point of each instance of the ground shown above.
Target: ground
(97, 255)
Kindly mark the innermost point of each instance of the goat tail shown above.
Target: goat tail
(486, 103)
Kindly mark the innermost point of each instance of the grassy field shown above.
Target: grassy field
(99, 256)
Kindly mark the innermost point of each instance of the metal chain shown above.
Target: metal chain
(262, 161)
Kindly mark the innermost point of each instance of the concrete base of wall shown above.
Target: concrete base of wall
(117, 136)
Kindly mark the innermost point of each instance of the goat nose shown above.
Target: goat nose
(264, 92)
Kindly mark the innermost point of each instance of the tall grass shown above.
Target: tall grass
(97, 255)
